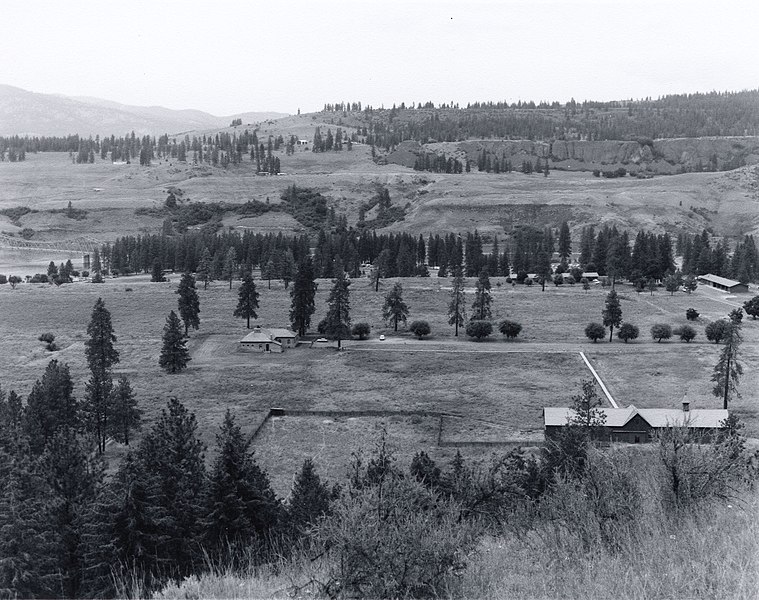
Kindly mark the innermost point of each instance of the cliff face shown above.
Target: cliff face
(658, 157)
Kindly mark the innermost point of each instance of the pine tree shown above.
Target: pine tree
(612, 313)
(73, 472)
(482, 298)
(456, 308)
(125, 415)
(28, 543)
(309, 500)
(189, 304)
(97, 269)
(205, 267)
(239, 506)
(172, 452)
(728, 369)
(174, 354)
(228, 272)
(565, 242)
(338, 322)
(99, 350)
(156, 275)
(50, 406)
(247, 302)
(303, 293)
(395, 308)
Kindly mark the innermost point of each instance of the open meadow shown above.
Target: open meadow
(492, 390)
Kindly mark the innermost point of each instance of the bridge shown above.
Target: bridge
(79, 245)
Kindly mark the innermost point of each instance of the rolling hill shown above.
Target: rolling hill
(28, 113)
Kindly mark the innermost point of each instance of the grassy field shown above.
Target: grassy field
(497, 386)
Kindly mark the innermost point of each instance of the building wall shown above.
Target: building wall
(261, 347)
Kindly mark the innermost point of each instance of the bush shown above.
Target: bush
(39, 278)
(3, 280)
(49, 339)
(420, 328)
(479, 329)
(398, 540)
(528, 281)
(691, 314)
(361, 330)
(717, 330)
(595, 331)
(627, 332)
(510, 329)
(661, 331)
(686, 333)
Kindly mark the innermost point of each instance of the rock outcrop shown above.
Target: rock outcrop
(665, 156)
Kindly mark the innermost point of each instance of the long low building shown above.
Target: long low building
(639, 425)
(723, 283)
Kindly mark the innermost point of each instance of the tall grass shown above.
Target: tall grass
(613, 533)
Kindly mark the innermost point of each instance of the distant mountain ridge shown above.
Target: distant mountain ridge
(29, 113)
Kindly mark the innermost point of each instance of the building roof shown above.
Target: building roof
(259, 337)
(279, 332)
(720, 280)
(655, 417)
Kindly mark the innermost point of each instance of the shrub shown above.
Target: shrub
(39, 278)
(752, 307)
(627, 332)
(510, 329)
(528, 281)
(420, 328)
(661, 331)
(595, 331)
(585, 283)
(691, 314)
(558, 280)
(717, 330)
(3, 280)
(361, 330)
(398, 540)
(686, 333)
(479, 329)
(49, 339)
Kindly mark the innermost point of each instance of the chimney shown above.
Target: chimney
(686, 405)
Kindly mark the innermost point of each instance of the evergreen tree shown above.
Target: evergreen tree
(337, 324)
(174, 354)
(205, 268)
(309, 500)
(51, 406)
(122, 533)
(125, 415)
(228, 272)
(728, 369)
(189, 304)
(456, 308)
(247, 302)
(172, 452)
(482, 298)
(96, 408)
(73, 472)
(96, 267)
(157, 272)
(99, 350)
(565, 242)
(29, 544)
(395, 308)
(612, 313)
(303, 293)
(239, 506)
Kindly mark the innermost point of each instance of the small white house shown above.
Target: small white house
(268, 340)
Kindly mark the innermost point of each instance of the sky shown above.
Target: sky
(227, 57)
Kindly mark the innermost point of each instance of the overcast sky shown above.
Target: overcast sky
(226, 57)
